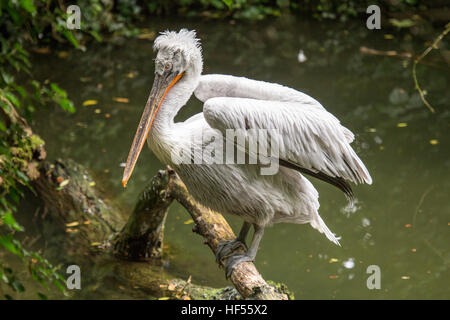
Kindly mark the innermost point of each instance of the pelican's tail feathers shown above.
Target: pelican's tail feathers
(318, 224)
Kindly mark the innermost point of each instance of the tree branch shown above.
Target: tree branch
(209, 224)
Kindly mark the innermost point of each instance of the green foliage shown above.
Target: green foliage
(260, 9)
(20, 22)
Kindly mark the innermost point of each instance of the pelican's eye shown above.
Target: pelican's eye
(168, 66)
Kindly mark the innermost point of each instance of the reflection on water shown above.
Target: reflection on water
(400, 223)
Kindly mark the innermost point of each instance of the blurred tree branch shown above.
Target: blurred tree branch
(419, 58)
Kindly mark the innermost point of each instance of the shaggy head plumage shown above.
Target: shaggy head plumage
(181, 48)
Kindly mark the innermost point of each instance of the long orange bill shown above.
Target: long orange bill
(161, 85)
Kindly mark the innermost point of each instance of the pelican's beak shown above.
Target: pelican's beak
(161, 86)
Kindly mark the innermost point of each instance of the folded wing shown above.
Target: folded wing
(309, 138)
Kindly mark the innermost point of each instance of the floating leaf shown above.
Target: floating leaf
(44, 50)
(402, 124)
(406, 23)
(164, 298)
(72, 224)
(64, 183)
(434, 142)
(147, 36)
(89, 103)
(333, 260)
(131, 74)
(122, 100)
(63, 54)
(189, 221)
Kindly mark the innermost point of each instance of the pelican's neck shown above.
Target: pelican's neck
(162, 134)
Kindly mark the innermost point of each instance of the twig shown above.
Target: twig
(422, 198)
(390, 53)
(419, 58)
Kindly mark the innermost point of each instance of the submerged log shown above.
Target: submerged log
(141, 238)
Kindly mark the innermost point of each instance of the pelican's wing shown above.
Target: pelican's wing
(310, 139)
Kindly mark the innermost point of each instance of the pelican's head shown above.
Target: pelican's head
(178, 51)
(179, 56)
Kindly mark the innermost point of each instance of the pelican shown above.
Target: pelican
(310, 140)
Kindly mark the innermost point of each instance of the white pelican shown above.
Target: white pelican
(311, 141)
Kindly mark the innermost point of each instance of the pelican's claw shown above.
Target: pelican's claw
(235, 260)
(226, 247)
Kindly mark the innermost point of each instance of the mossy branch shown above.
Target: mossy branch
(209, 224)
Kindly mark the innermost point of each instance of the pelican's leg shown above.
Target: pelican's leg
(234, 260)
(226, 247)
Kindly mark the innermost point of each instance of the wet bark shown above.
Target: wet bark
(167, 186)
(142, 236)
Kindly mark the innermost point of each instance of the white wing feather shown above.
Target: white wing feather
(308, 136)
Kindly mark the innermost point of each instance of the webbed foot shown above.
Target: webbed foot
(226, 247)
(235, 260)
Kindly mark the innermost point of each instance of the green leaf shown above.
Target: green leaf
(42, 296)
(9, 79)
(58, 90)
(28, 5)
(6, 242)
(22, 176)
(69, 36)
(406, 23)
(229, 3)
(95, 35)
(12, 98)
(9, 220)
(67, 105)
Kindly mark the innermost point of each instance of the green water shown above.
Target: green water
(401, 223)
